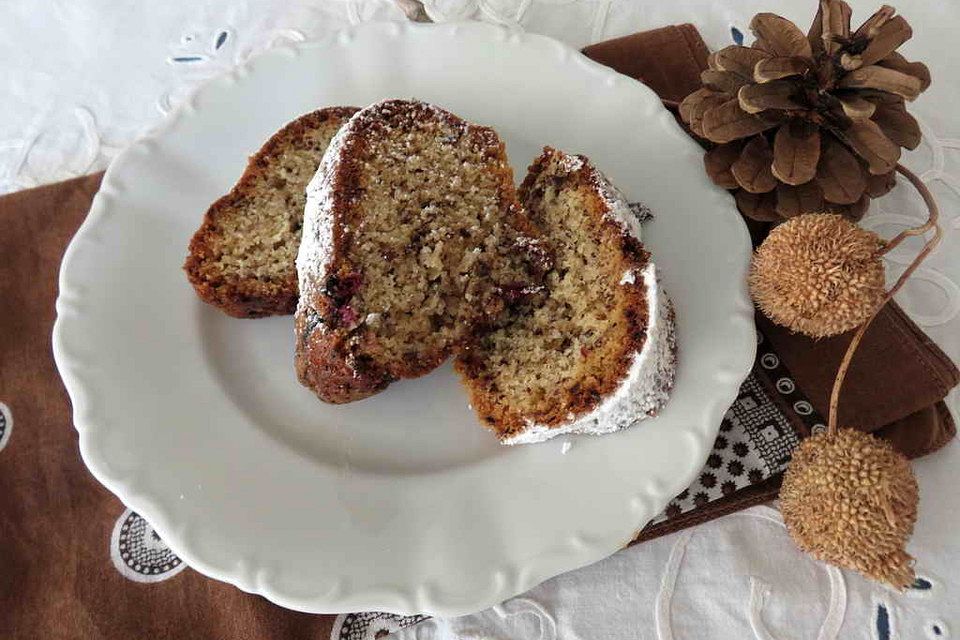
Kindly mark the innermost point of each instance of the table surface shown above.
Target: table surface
(83, 78)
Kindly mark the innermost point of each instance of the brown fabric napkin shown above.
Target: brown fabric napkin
(667, 60)
(897, 370)
(898, 378)
(58, 578)
(56, 575)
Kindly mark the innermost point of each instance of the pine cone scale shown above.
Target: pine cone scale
(845, 90)
(869, 141)
(917, 69)
(729, 122)
(839, 175)
(779, 36)
(717, 163)
(776, 68)
(888, 38)
(776, 94)
(723, 81)
(752, 169)
(794, 200)
(835, 24)
(898, 125)
(882, 79)
(739, 60)
(796, 154)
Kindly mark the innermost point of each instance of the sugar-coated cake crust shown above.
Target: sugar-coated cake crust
(250, 297)
(643, 389)
(634, 383)
(335, 361)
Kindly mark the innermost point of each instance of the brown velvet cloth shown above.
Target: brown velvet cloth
(56, 576)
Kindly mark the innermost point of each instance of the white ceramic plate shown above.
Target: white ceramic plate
(401, 502)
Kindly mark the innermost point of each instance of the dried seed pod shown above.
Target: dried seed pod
(818, 274)
(851, 499)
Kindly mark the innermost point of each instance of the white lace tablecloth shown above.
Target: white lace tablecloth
(82, 78)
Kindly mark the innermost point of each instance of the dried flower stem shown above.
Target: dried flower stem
(931, 223)
(931, 205)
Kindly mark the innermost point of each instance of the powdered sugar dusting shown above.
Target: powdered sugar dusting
(650, 376)
(316, 244)
(570, 163)
(619, 209)
(645, 388)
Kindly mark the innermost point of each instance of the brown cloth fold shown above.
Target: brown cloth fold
(898, 378)
(56, 576)
(896, 371)
(668, 60)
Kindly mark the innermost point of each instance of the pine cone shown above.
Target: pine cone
(809, 123)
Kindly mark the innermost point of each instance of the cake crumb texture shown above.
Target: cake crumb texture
(414, 244)
(242, 258)
(562, 364)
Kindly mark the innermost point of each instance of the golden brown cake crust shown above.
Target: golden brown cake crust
(622, 253)
(326, 363)
(339, 358)
(250, 297)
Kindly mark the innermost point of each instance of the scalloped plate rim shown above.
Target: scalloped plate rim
(416, 598)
